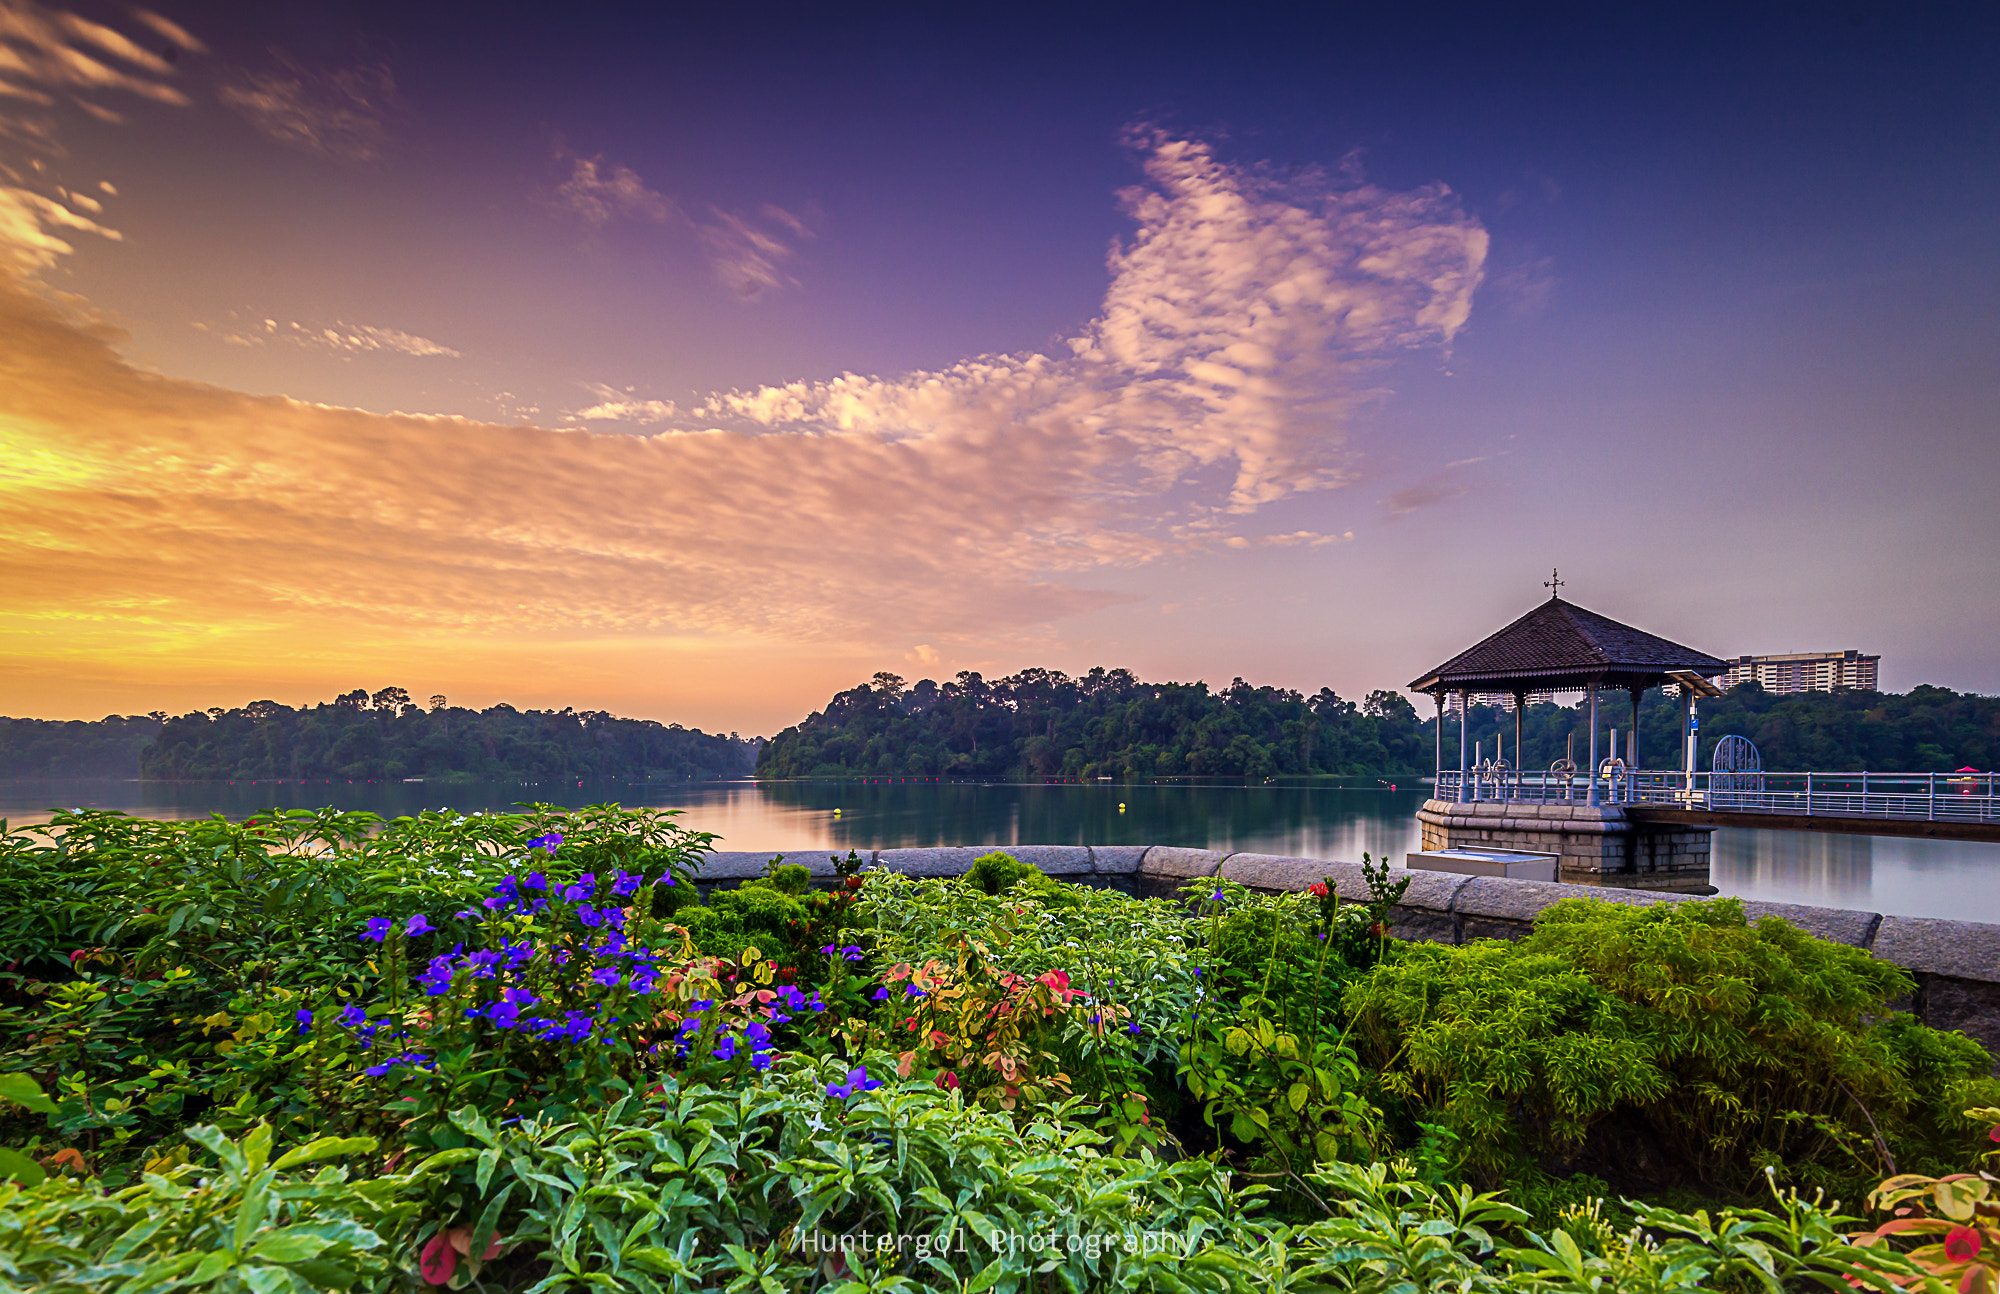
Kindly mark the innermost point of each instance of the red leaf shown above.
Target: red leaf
(1961, 1244)
(438, 1261)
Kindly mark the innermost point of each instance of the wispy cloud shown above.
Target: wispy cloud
(748, 254)
(622, 406)
(1243, 318)
(341, 113)
(48, 56)
(347, 338)
(599, 192)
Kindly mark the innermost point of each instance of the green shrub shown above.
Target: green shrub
(755, 914)
(791, 878)
(992, 873)
(1673, 1044)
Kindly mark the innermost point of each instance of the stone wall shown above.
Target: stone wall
(1956, 964)
(1598, 845)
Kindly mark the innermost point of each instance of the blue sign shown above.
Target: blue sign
(1694, 723)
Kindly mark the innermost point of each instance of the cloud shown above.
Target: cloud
(28, 221)
(341, 113)
(1244, 317)
(45, 56)
(44, 50)
(346, 338)
(1417, 497)
(358, 338)
(620, 406)
(747, 254)
(600, 193)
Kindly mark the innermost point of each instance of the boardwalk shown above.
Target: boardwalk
(1947, 806)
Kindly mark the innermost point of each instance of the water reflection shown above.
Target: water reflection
(1876, 873)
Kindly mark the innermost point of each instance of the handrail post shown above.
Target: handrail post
(1932, 815)
(1808, 795)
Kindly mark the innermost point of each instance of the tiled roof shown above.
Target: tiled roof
(1560, 644)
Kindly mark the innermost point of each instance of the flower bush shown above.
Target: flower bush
(510, 1052)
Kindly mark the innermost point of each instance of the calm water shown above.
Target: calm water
(1875, 873)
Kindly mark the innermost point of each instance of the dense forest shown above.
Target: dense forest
(109, 747)
(1043, 724)
(383, 735)
(1927, 729)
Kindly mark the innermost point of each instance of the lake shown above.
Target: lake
(1874, 873)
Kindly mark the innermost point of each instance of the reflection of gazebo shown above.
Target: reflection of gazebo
(1561, 647)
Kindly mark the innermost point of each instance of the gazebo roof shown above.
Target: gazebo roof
(1559, 646)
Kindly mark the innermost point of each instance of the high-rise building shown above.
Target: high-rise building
(1807, 671)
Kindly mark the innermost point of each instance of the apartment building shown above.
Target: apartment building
(1806, 671)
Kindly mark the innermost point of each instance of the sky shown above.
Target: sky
(694, 362)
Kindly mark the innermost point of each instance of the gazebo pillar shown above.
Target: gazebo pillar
(1632, 756)
(1464, 719)
(1591, 797)
(1520, 765)
(1437, 765)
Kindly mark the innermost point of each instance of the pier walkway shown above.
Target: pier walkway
(1946, 806)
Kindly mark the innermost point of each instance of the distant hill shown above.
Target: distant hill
(383, 735)
(1042, 723)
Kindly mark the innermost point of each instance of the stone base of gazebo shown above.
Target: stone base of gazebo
(1597, 846)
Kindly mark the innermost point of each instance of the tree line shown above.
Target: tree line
(1041, 723)
(379, 735)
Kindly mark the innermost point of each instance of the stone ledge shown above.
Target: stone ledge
(744, 864)
(1967, 950)
(1055, 860)
(1166, 863)
(1838, 925)
(1274, 873)
(945, 860)
(1117, 860)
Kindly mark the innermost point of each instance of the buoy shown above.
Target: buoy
(836, 813)
(1121, 806)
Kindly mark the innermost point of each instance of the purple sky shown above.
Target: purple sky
(692, 364)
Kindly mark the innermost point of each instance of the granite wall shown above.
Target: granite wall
(1956, 964)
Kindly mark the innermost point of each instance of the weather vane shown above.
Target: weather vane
(1553, 582)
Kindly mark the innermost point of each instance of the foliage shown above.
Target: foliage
(356, 736)
(1042, 723)
(249, 1221)
(1676, 1043)
(110, 747)
(160, 966)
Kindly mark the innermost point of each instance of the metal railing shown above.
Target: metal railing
(1918, 797)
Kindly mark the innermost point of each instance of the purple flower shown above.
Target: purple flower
(1133, 1028)
(882, 994)
(551, 842)
(725, 1048)
(378, 929)
(608, 977)
(760, 1060)
(305, 1019)
(376, 1071)
(643, 981)
(827, 951)
(1217, 896)
(353, 1017)
(913, 991)
(419, 925)
(853, 953)
(857, 1081)
(535, 880)
(504, 1015)
(588, 915)
(627, 883)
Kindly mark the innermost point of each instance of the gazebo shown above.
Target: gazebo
(1562, 647)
